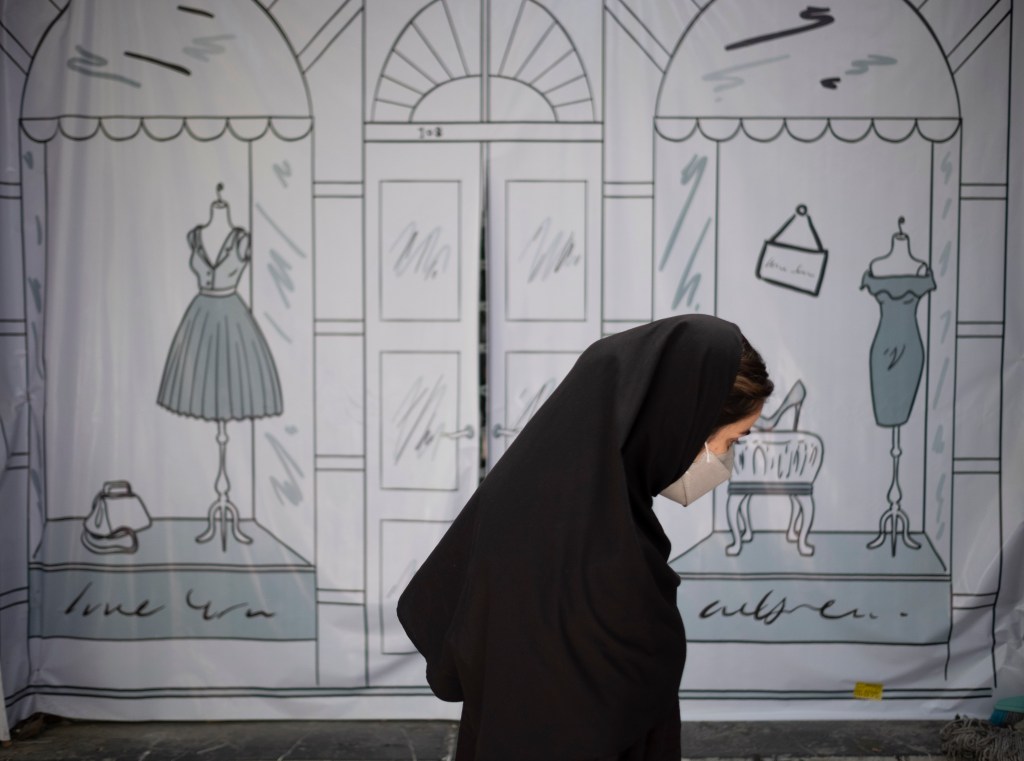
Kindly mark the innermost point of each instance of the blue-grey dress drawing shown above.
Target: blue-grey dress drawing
(219, 366)
(897, 353)
(897, 280)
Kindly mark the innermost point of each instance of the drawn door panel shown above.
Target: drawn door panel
(544, 274)
(422, 243)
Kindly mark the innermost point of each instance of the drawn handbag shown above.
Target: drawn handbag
(117, 515)
(794, 257)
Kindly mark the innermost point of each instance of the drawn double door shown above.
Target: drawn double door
(434, 213)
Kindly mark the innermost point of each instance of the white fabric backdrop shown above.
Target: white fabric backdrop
(611, 163)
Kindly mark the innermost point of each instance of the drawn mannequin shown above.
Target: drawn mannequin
(219, 366)
(897, 281)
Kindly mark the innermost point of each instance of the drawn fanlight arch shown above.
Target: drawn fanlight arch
(534, 74)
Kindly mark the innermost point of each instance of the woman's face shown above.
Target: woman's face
(727, 435)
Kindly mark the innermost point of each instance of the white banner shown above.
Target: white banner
(278, 285)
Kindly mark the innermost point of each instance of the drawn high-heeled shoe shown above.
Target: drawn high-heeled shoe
(794, 399)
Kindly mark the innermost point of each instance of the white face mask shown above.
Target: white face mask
(703, 476)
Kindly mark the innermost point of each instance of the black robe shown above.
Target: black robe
(549, 607)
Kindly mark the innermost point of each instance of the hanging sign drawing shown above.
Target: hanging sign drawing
(794, 257)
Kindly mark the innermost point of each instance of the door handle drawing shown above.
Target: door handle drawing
(462, 433)
(500, 432)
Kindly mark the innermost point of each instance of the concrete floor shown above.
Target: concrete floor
(56, 739)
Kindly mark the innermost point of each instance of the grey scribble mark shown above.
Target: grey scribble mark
(940, 494)
(549, 258)
(38, 346)
(178, 69)
(939, 440)
(88, 63)
(416, 419)
(688, 285)
(422, 256)
(283, 172)
(728, 80)
(291, 430)
(39, 230)
(30, 160)
(946, 207)
(947, 319)
(288, 489)
(942, 380)
(277, 328)
(203, 48)
(944, 257)
(531, 403)
(279, 269)
(947, 168)
(861, 65)
(694, 171)
(281, 232)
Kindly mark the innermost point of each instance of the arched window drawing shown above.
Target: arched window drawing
(864, 91)
(531, 71)
(155, 101)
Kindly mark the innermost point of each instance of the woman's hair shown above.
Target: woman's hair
(749, 390)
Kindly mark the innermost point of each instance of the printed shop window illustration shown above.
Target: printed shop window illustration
(194, 387)
(747, 96)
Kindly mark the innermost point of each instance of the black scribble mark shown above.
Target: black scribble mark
(208, 615)
(202, 48)
(830, 82)
(861, 65)
(895, 354)
(142, 610)
(197, 11)
(729, 81)
(158, 62)
(88, 63)
(768, 612)
(283, 172)
(819, 17)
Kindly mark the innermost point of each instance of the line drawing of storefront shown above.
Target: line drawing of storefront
(738, 103)
(184, 610)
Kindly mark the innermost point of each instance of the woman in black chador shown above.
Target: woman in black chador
(549, 607)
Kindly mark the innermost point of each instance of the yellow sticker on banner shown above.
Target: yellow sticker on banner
(867, 691)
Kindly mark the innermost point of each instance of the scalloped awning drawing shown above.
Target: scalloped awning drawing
(844, 68)
(162, 67)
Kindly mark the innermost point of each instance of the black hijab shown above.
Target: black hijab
(548, 607)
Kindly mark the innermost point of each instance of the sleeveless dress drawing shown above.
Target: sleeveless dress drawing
(219, 366)
(897, 353)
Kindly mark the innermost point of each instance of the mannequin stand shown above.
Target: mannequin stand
(222, 512)
(894, 521)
